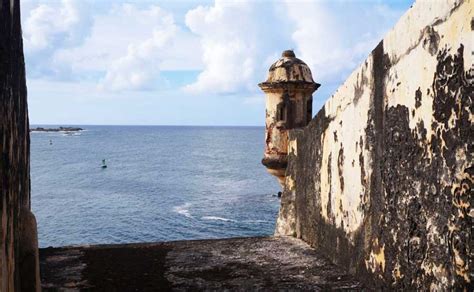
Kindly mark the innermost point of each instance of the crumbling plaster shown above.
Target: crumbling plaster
(381, 178)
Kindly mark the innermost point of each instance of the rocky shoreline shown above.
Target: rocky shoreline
(60, 129)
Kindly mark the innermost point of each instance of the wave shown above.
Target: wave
(255, 221)
(183, 210)
(217, 218)
(69, 134)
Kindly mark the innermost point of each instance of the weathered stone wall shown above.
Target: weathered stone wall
(19, 269)
(381, 179)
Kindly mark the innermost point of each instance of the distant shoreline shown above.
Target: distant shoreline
(138, 125)
(60, 129)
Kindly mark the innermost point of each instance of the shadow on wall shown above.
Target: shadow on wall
(19, 269)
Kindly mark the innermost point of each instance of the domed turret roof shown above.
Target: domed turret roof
(289, 69)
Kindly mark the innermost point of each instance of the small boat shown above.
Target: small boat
(103, 164)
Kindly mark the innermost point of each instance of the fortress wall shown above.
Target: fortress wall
(381, 178)
(19, 269)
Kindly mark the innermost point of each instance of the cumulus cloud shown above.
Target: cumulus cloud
(232, 43)
(120, 46)
(140, 66)
(241, 38)
(48, 26)
(154, 43)
(236, 41)
(334, 37)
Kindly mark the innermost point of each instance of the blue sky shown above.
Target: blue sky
(186, 62)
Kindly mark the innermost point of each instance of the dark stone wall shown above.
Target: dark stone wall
(18, 238)
(393, 202)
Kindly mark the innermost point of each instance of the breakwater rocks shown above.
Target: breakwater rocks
(60, 129)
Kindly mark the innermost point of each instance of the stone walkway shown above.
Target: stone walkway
(245, 264)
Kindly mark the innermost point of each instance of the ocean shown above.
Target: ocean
(161, 183)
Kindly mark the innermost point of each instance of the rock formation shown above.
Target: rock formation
(60, 129)
(19, 270)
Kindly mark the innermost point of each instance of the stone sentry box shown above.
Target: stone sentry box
(289, 105)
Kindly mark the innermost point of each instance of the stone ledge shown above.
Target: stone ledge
(256, 263)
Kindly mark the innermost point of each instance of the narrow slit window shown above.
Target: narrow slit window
(281, 112)
(309, 110)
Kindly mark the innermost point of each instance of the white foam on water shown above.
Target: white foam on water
(183, 210)
(255, 221)
(69, 134)
(217, 218)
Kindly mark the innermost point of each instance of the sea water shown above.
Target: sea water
(161, 183)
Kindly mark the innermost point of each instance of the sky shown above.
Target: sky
(183, 62)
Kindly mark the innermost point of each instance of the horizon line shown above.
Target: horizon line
(143, 125)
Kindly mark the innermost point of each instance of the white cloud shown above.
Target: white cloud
(160, 45)
(140, 66)
(236, 42)
(334, 37)
(240, 39)
(120, 46)
(49, 25)
(124, 47)
(75, 47)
